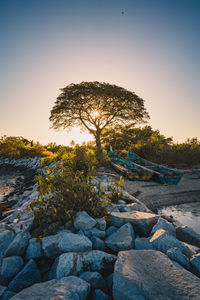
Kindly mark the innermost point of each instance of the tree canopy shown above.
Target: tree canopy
(94, 106)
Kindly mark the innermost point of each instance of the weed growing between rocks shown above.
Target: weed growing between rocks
(115, 190)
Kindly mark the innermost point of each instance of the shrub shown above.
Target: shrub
(115, 190)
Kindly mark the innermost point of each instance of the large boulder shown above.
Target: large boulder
(11, 266)
(122, 239)
(163, 241)
(6, 238)
(66, 288)
(18, 245)
(54, 245)
(83, 221)
(150, 274)
(29, 275)
(75, 263)
(163, 224)
(142, 221)
(188, 235)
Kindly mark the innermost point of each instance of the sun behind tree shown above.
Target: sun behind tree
(94, 106)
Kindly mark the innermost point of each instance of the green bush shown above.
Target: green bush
(115, 190)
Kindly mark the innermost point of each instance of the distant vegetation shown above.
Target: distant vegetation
(146, 142)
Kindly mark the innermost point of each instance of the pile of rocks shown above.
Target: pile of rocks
(133, 254)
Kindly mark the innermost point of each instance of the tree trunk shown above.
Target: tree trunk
(99, 152)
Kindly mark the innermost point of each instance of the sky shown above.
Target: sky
(150, 47)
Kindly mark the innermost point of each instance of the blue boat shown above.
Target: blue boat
(131, 170)
(162, 174)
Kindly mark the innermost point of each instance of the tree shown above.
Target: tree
(94, 106)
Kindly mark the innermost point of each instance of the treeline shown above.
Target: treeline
(146, 142)
(152, 145)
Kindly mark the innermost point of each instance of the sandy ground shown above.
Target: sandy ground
(156, 195)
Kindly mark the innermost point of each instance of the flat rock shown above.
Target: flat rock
(66, 288)
(164, 224)
(142, 222)
(26, 277)
(18, 245)
(163, 241)
(83, 221)
(150, 274)
(6, 238)
(76, 263)
(11, 266)
(122, 239)
(188, 235)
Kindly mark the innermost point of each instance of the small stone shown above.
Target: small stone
(95, 232)
(83, 221)
(101, 224)
(163, 224)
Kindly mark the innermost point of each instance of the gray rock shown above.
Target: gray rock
(101, 224)
(133, 207)
(71, 242)
(54, 245)
(24, 225)
(76, 263)
(7, 295)
(26, 277)
(112, 208)
(176, 255)
(163, 241)
(143, 243)
(150, 274)
(67, 288)
(142, 222)
(109, 280)
(11, 266)
(195, 262)
(99, 295)
(163, 224)
(188, 235)
(18, 245)
(2, 290)
(6, 238)
(111, 230)
(95, 232)
(34, 249)
(94, 279)
(122, 239)
(83, 221)
(97, 244)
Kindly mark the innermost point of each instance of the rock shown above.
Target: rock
(71, 242)
(143, 243)
(176, 255)
(163, 241)
(150, 274)
(110, 230)
(6, 238)
(121, 202)
(26, 277)
(18, 245)
(188, 235)
(11, 266)
(99, 295)
(97, 244)
(122, 239)
(101, 224)
(2, 290)
(109, 280)
(23, 225)
(76, 263)
(133, 207)
(95, 232)
(34, 249)
(66, 288)
(195, 262)
(163, 224)
(142, 222)
(83, 221)
(94, 279)
(4, 226)
(112, 208)
(8, 295)
(54, 245)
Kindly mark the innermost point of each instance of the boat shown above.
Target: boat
(162, 174)
(131, 170)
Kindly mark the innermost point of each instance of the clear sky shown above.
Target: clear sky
(151, 47)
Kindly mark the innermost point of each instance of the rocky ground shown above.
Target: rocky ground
(135, 254)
